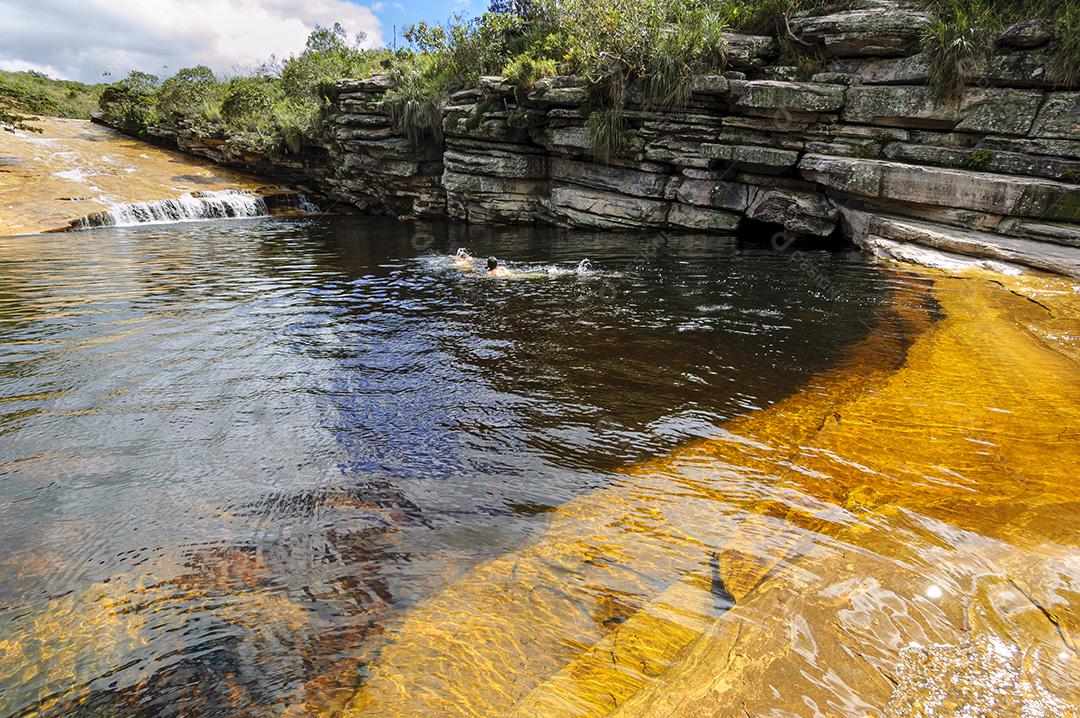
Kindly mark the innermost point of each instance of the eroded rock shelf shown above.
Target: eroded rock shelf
(994, 168)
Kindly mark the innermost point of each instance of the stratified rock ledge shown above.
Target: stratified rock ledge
(994, 173)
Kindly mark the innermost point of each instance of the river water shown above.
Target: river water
(269, 467)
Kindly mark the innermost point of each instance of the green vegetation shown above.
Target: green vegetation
(979, 160)
(606, 133)
(24, 94)
(129, 104)
(269, 110)
(37, 94)
(648, 50)
(962, 37)
(10, 121)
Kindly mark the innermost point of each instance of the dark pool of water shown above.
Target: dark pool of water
(260, 439)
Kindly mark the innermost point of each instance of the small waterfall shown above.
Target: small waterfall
(221, 204)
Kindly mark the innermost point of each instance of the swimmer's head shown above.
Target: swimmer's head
(462, 253)
(492, 263)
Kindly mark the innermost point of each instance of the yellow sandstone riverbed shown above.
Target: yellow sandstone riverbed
(901, 537)
(74, 168)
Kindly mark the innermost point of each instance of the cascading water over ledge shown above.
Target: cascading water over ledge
(189, 207)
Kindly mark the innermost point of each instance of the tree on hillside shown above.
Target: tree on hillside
(130, 103)
(186, 92)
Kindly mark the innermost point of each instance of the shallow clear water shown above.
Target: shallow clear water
(264, 439)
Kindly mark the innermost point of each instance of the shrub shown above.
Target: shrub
(328, 56)
(1066, 69)
(131, 103)
(416, 102)
(524, 70)
(249, 102)
(979, 160)
(958, 42)
(191, 91)
(606, 131)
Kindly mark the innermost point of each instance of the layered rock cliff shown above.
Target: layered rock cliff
(864, 148)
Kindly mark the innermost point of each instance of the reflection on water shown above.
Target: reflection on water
(305, 469)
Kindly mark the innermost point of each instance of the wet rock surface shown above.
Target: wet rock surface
(74, 169)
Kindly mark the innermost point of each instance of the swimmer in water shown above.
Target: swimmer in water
(462, 260)
(497, 270)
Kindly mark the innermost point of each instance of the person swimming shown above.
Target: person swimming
(495, 269)
(462, 260)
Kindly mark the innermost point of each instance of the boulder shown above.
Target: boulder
(1068, 149)
(1028, 33)
(749, 52)
(837, 78)
(983, 159)
(782, 73)
(798, 212)
(707, 155)
(997, 111)
(1059, 117)
(709, 85)
(1021, 68)
(495, 86)
(1056, 232)
(979, 191)
(562, 90)
(1017, 68)
(874, 29)
(496, 163)
(768, 160)
(375, 84)
(720, 194)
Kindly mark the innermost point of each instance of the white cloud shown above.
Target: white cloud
(79, 39)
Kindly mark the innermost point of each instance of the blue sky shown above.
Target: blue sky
(84, 39)
(401, 14)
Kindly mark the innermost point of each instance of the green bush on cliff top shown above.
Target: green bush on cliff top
(272, 108)
(651, 48)
(962, 37)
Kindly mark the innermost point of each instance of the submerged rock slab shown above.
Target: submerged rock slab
(879, 579)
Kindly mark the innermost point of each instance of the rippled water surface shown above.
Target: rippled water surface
(312, 468)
